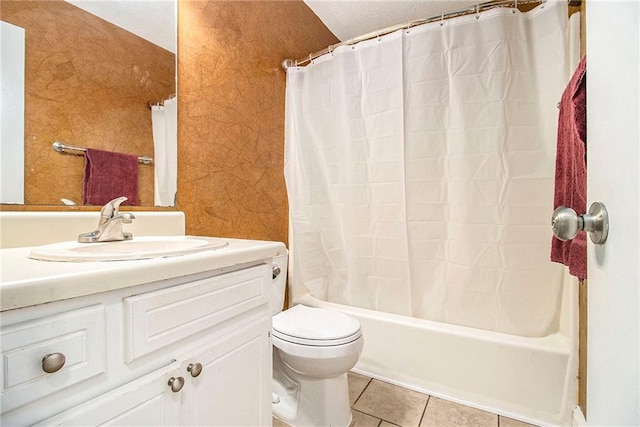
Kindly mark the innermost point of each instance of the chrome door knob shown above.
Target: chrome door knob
(566, 223)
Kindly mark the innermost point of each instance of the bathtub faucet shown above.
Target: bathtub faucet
(110, 224)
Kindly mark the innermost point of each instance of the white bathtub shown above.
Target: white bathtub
(530, 379)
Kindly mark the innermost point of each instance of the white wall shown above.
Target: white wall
(12, 114)
(613, 146)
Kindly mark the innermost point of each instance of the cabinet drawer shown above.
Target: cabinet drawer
(157, 319)
(78, 334)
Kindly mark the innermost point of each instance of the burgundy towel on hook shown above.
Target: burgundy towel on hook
(108, 175)
(571, 169)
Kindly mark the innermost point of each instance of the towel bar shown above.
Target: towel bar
(61, 148)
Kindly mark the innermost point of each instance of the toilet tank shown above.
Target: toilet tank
(278, 284)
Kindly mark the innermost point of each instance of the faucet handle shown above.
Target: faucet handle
(112, 208)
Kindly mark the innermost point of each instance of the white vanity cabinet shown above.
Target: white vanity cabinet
(194, 350)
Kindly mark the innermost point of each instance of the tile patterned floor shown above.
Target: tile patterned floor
(375, 403)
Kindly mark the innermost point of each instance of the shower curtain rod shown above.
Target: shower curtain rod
(481, 7)
(61, 148)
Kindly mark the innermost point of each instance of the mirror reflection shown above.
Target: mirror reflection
(89, 83)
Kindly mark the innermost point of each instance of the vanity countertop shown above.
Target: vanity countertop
(25, 282)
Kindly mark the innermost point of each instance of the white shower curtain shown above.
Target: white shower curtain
(164, 120)
(419, 168)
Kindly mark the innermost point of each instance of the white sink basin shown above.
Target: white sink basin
(138, 248)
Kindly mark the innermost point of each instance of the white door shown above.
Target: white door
(613, 141)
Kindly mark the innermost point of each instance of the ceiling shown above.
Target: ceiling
(351, 18)
(155, 20)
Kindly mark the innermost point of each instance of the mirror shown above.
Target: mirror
(91, 70)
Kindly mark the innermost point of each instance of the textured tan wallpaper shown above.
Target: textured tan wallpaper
(231, 112)
(88, 84)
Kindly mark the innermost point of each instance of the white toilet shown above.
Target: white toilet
(313, 348)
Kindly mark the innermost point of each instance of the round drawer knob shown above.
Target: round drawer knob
(53, 362)
(176, 384)
(195, 369)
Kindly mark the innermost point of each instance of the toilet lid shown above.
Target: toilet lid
(315, 326)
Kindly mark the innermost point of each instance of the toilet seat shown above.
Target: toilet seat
(316, 327)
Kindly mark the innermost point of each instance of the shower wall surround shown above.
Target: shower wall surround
(231, 112)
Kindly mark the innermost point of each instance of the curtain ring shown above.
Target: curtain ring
(515, 6)
(442, 20)
(477, 11)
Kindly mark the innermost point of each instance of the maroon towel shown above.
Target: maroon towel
(109, 175)
(571, 169)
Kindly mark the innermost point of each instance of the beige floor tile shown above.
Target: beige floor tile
(442, 413)
(357, 384)
(392, 403)
(386, 424)
(276, 422)
(363, 420)
(510, 422)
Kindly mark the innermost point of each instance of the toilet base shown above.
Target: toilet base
(305, 401)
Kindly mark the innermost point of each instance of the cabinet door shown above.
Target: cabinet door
(234, 385)
(147, 401)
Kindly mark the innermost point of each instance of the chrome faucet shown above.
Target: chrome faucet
(110, 224)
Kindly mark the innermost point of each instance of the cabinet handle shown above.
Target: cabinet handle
(195, 369)
(53, 362)
(276, 270)
(176, 384)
